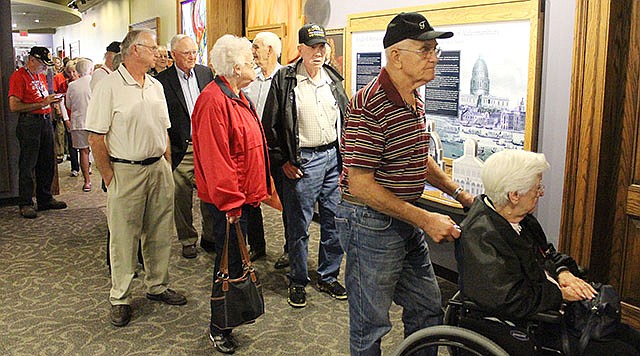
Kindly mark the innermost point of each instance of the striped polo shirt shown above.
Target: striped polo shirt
(382, 133)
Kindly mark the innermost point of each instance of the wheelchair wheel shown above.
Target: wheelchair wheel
(453, 339)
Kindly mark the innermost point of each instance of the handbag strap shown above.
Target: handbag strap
(244, 254)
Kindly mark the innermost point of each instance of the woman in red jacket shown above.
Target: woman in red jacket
(230, 154)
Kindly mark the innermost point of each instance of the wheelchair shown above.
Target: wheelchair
(468, 330)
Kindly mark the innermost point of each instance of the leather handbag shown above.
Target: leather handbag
(236, 301)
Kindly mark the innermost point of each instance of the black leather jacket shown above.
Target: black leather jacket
(279, 117)
(504, 272)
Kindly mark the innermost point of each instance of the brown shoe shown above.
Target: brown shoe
(189, 251)
(120, 314)
(28, 212)
(52, 204)
(169, 296)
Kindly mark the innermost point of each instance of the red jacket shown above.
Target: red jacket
(229, 149)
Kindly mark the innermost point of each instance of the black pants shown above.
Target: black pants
(255, 229)
(74, 153)
(37, 158)
(278, 181)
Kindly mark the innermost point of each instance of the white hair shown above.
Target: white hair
(227, 52)
(84, 66)
(176, 39)
(270, 39)
(511, 171)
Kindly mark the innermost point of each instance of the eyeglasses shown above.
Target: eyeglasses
(425, 52)
(152, 48)
(187, 53)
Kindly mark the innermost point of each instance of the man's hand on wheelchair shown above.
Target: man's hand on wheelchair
(574, 288)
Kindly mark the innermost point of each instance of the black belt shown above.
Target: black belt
(39, 116)
(323, 147)
(144, 162)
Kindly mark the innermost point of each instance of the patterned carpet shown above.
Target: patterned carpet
(55, 288)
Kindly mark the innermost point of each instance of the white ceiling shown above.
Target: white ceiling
(42, 15)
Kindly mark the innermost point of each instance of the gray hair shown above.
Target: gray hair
(132, 38)
(270, 39)
(176, 39)
(117, 60)
(511, 171)
(227, 52)
(84, 66)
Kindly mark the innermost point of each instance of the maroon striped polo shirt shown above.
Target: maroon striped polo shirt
(382, 133)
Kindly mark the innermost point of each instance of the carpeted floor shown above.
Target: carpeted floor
(55, 286)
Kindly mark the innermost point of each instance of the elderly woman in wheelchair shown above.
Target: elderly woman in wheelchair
(512, 275)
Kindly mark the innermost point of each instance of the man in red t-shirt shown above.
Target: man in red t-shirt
(28, 96)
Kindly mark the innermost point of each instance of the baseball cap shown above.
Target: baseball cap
(114, 47)
(41, 53)
(411, 25)
(311, 34)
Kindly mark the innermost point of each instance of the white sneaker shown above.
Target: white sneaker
(74, 173)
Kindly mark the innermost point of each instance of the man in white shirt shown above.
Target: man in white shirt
(77, 100)
(112, 49)
(267, 48)
(128, 119)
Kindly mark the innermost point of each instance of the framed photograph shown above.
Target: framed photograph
(192, 17)
(487, 83)
(335, 37)
(152, 24)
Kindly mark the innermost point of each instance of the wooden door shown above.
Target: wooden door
(601, 202)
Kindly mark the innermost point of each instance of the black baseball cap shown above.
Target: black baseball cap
(41, 53)
(411, 25)
(312, 34)
(114, 47)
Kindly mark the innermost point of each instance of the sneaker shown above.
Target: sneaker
(282, 262)
(297, 297)
(334, 289)
(28, 212)
(74, 173)
(169, 296)
(223, 343)
(52, 204)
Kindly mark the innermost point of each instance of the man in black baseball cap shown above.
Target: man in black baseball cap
(385, 167)
(411, 25)
(42, 54)
(311, 34)
(100, 73)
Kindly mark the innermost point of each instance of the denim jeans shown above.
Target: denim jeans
(387, 260)
(318, 183)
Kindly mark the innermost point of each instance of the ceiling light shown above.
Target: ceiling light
(36, 21)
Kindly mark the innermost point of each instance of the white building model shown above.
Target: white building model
(466, 169)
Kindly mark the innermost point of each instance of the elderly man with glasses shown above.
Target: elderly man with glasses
(182, 84)
(386, 164)
(128, 118)
(28, 96)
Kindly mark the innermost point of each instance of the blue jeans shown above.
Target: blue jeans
(387, 260)
(318, 183)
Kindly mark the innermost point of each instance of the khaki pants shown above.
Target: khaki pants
(140, 206)
(185, 181)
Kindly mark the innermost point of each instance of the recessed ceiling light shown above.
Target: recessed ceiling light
(36, 20)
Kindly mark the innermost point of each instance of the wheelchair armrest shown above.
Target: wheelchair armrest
(548, 316)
